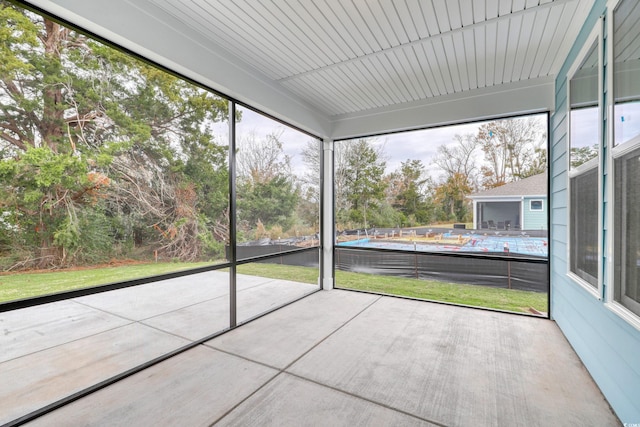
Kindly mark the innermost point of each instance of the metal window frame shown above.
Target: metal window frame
(490, 257)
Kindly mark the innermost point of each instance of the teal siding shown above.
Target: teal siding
(535, 220)
(608, 346)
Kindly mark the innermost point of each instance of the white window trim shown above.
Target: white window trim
(624, 313)
(615, 152)
(596, 35)
(611, 303)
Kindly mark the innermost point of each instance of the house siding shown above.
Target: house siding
(608, 346)
(534, 220)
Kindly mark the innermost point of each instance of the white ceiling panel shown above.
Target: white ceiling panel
(384, 53)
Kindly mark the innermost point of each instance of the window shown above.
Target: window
(627, 231)
(584, 240)
(626, 82)
(626, 156)
(535, 205)
(584, 143)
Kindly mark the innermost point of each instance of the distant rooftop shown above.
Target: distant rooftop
(532, 186)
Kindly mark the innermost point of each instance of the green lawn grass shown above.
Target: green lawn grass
(25, 285)
(473, 295)
(479, 296)
(17, 286)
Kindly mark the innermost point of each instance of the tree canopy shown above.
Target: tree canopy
(94, 139)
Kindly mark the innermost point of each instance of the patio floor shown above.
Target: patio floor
(332, 358)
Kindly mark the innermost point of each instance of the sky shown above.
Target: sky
(584, 124)
(420, 144)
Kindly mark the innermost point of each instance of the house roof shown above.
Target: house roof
(532, 186)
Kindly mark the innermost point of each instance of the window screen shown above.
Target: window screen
(584, 226)
(627, 231)
(584, 141)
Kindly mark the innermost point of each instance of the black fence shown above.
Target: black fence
(500, 272)
(509, 272)
(309, 258)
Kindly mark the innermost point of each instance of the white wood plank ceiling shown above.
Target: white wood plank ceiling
(350, 56)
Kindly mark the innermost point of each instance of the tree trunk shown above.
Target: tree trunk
(51, 127)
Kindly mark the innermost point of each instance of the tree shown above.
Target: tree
(271, 203)
(408, 191)
(451, 196)
(461, 157)
(88, 133)
(267, 191)
(361, 175)
(538, 163)
(308, 208)
(459, 161)
(581, 155)
(509, 148)
(341, 154)
(311, 157)
(261, 160)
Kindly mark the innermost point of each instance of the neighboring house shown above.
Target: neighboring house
(520, 205)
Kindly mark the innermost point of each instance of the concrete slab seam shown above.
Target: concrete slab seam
(384, 405)
(131, 322)
(283, 370)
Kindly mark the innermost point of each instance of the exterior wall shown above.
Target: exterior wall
(608, 346)
(534, 220)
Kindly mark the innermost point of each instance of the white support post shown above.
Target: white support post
(328, 223)
(476, 215)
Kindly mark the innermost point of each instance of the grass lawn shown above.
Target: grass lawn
(17, 286)
(479, 296)
(474, 295)
(25, 285)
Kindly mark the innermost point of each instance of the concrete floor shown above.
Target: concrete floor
(51, 351)
(333, 358)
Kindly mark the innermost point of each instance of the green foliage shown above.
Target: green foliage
(42, 191)
(271, 203)
(212, 248)
(386, 216)
(95, 147)
(451, 198)
(538, 163)
(67, 235)
(410, 188)
(363, 171)
(581, 155)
